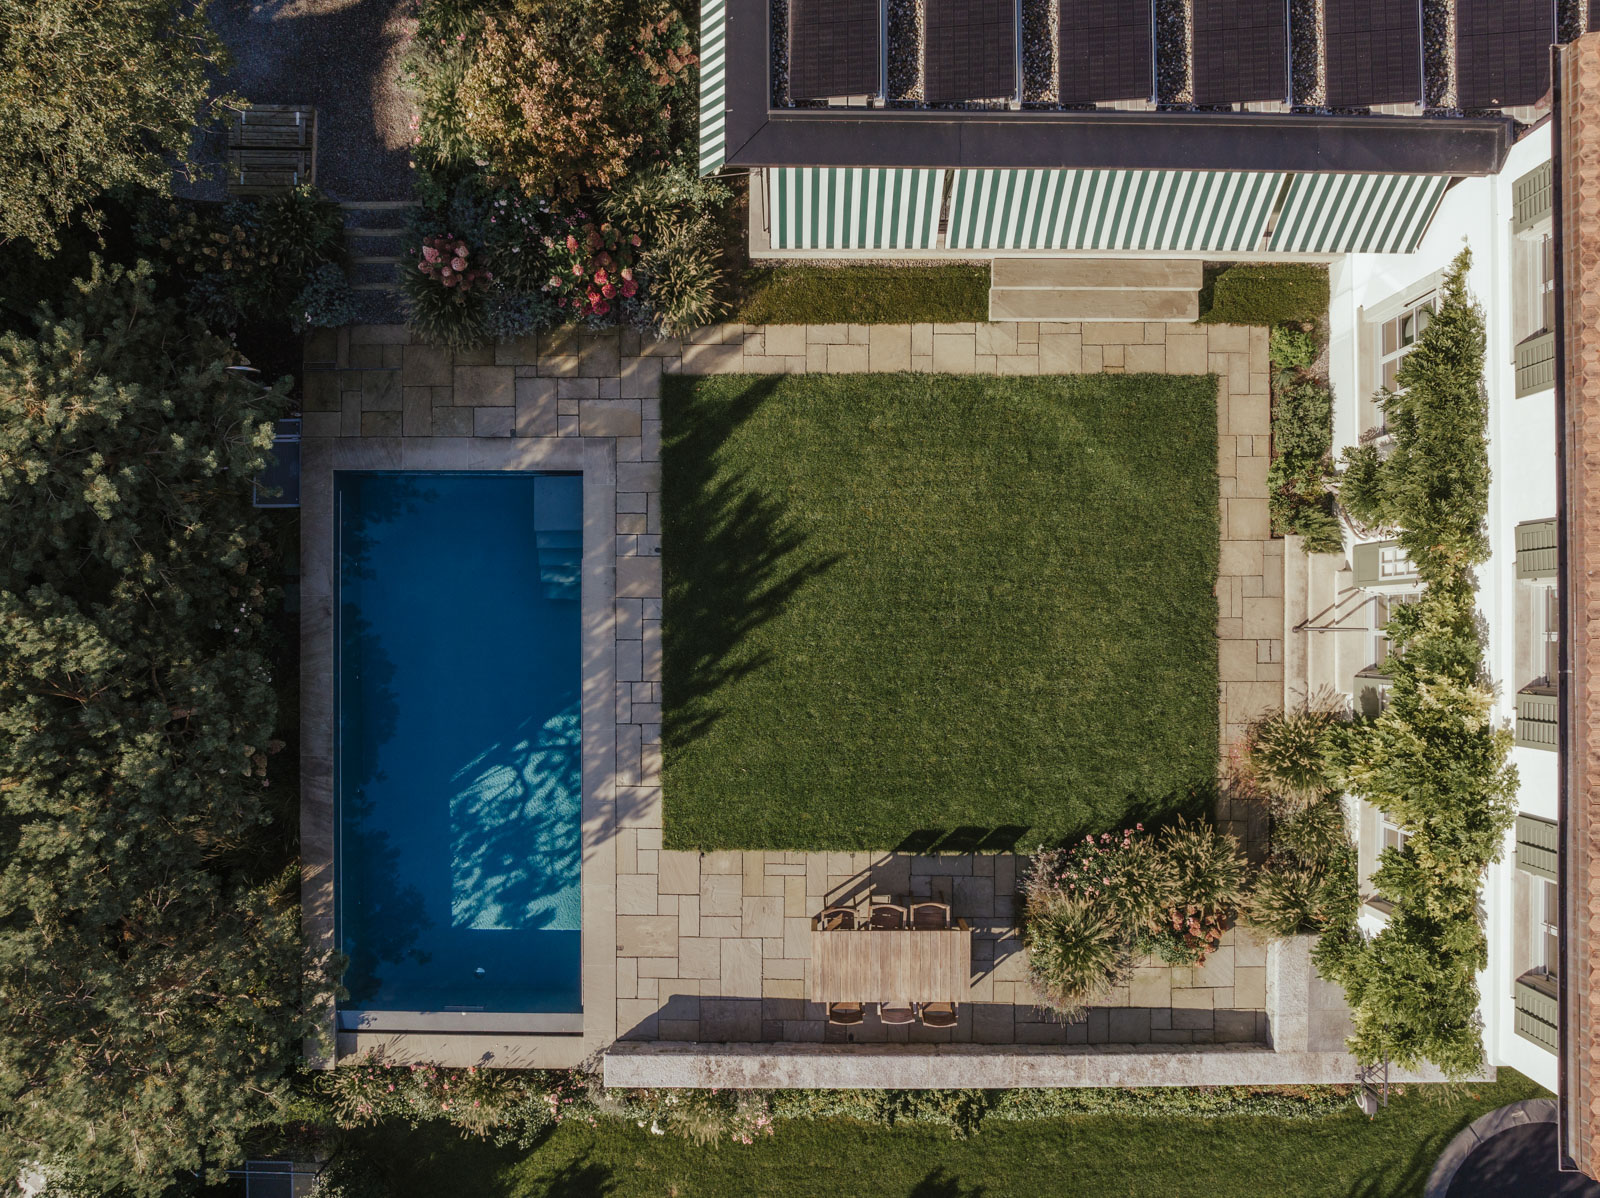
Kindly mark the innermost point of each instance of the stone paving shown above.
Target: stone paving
(714, 947)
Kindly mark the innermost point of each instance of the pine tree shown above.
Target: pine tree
(150, 957)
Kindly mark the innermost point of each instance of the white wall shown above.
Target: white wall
(1522, 458)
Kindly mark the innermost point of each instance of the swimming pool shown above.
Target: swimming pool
(458, 752)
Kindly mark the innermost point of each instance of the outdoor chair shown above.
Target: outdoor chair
(836, 919)
(846, 1014)
(937, 1014)
(930, 917)
(893, 1013)
(888, 917)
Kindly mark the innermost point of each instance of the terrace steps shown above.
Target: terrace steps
(1094, 289)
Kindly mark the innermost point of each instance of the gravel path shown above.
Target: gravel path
(344, 57)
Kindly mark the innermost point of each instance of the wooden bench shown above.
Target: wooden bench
(272, 148)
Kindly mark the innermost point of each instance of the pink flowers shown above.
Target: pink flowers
(596, 270)
(447, 260)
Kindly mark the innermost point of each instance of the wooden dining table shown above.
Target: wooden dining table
(884, 966)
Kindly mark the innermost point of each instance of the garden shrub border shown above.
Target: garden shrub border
(1432, 761)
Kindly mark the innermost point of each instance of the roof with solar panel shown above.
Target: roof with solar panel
(1242, 84)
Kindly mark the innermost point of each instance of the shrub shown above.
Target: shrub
(1292, 348)
(1130, 882)
(350, 1176)
(1289, 756)
(567, 99)
(591, 267)
(1075, 954)
(677, 214)
(1361, 485)
(1434, 484)
(1208, 875)
(703, 1117)
(1297, 480)
(455, 318)
(507, 1106)
(248, 259)
(326, 301)
(1283, 293)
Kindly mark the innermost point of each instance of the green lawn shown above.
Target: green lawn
(903, 605)
(801, 294)
(1343, 1156)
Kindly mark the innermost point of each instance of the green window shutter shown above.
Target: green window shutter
(1536, 846)
(1538, 1012)
(1530, 198)
(1536, 364)
(1538, 724)
(1536, 549)
(1381, 563)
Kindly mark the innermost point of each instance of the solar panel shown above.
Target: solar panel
(1107, 51)
(833, 48)
(969, 50)
(1503, 51)
(1374, 52)
(1241, 50)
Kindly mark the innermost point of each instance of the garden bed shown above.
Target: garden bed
(1088, 1156)
(904, 604)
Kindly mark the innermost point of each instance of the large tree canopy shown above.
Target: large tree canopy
(150, 958)
(93, 96)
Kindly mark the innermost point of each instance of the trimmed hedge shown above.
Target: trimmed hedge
(796, 294)
(1279, 293)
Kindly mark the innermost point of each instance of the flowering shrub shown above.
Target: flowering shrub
(1092, 907)
(446, 260)
(591, 267)
(568, 98)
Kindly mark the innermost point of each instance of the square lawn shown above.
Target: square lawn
(901, 605)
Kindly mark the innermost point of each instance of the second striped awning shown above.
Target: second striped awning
(1110, 209)
(853, 208)
(1357, 214)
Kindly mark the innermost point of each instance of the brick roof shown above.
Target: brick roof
(1578, 131)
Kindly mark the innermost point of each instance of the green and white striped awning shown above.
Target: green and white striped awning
(853, 208)
(1110, 209)
(1357, 214)
(713, 85)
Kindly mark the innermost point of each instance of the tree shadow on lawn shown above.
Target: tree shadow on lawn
(1195, 802)
(733, 561)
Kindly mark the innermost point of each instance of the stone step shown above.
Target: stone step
(1111, 274)
(1092, 304)
(369, 273)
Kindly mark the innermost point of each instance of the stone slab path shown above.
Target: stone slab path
(714, 947)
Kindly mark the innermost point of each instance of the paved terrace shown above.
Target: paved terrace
(714, 947)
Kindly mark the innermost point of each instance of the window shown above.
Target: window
(1394, 564)
(1397, 337)
(1394, 836)
(1533, 286)
(1547, 281)
(1383, 610)
(1547, 949)
(1544, 655)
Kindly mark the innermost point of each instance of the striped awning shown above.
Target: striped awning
(853, 208)
(713, 85)
(1351, 214)
(1110, 209)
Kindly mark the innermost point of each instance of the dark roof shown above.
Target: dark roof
(760, 134)
(1240, 50)
(1373, 52)
(1107, 51)
(1503, 51)
(833, 48)
(969, 50)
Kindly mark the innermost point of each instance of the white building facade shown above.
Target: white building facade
(1379, 304)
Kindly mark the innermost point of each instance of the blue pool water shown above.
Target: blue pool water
(458, 755)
